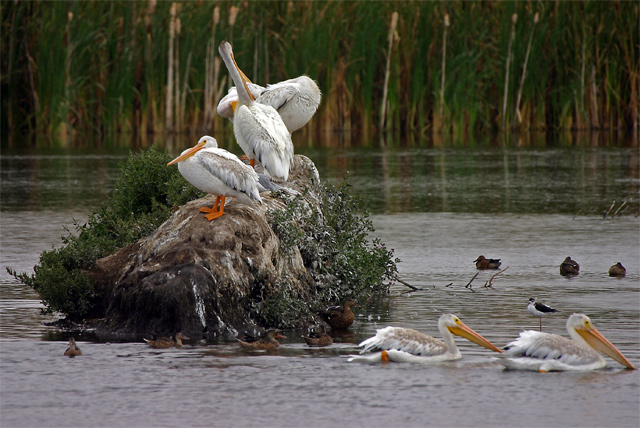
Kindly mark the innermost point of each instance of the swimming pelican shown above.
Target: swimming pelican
(296, 100)
(218, 172)
(544, 352)
(259, 129)
(408, 345)
(539, 309)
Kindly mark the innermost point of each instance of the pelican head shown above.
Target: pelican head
(453, 324)
(226, 52)
(204, 142)
(581, 329)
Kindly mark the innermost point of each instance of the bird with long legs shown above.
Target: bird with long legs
(258, 128)
(296, 100)
(408, 345)
(218, 172)
(539, 310)
(544, 352)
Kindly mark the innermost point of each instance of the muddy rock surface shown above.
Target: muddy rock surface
(204, 278)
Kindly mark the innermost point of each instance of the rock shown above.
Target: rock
(204, 278)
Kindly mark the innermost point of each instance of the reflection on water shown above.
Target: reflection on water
(439, 208)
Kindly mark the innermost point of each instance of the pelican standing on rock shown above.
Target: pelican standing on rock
(218, 172)
(259, 129)
(296, 100)
(408, 345)
(544, 352)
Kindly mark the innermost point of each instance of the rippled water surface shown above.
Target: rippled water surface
(439, 210)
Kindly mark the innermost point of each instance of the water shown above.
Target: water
(439, 209)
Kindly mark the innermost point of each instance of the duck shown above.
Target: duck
(73, 349)
(484, 263)
(319, 338)
(569, 267)
(267, 343)
(339, 317)
(617, 270)
(167, 342)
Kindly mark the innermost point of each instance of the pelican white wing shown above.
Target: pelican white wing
(404, 339)
(262, 135)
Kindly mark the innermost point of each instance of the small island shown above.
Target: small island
(148, 262)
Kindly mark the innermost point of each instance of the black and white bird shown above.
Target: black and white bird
(539, 310)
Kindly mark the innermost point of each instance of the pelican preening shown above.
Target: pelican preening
(408, 345)
(544, 352)
(296, 100)
(539, 310)
(218, 172)
(258, 128)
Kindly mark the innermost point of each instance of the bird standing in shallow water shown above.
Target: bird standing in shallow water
(617, 270)
(539, 310)
(73, 349)
(569, 267)
(339, 317)
(218, 172)
(484, 263)
(258, 128)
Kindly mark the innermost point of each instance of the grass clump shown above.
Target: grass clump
(143, 198)
(335, 250)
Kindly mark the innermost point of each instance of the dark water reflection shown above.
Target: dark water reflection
(439, 208)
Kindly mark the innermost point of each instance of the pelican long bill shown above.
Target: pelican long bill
(599, 342)
(463, 330)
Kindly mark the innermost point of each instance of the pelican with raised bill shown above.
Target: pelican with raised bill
(218, 172)
(258, 128)
(539, 310)
(544, 352)
(408, 345)
(296, 100)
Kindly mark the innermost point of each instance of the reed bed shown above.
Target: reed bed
(403, 67)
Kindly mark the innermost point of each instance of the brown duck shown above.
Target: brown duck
(484, 263)
(73, 349)
(569, 267)
(339, 317)
(319, 338)
(167, 342)
(263, 344)
(617, 270)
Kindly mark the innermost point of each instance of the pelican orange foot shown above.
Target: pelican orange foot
(216, 211)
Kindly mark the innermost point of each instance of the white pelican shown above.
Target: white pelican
(544, 352)
(296, 100)
(539, 310)
(218, 172)
(259, 129)
(408, 345)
